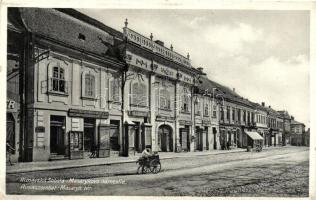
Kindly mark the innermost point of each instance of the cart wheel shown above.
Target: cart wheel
(155, 166)
(146, 169)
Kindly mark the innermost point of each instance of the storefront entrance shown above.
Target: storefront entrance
(57, 135)
(10, 133)
(199, 139)
(214, 139)
(184, 138)
(165, 140)
(114, 136)
(89, 135)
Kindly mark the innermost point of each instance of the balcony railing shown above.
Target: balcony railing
(156, 48)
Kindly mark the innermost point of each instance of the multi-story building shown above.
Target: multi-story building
(286, 127)
(297, 132)
(78, 88)
(273, 136)
(261, 121)
(15, 51)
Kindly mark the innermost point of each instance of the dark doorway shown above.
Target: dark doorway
(10, 132)
(199, 135)
(89, 134)
(165, 138)
(114, 135)
(138, 137)
(206, 138)
(57, 135)
(214, 134)
(184, 138)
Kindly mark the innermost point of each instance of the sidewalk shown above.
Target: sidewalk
(63, 164)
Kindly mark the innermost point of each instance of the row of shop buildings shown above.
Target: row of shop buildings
(76, 86)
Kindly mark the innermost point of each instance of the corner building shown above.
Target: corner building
(158, 96)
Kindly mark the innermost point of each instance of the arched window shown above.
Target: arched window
(139, 94)
(185, 103)
(89, 80)
(164, 99)
(58, 79)
(115, 85)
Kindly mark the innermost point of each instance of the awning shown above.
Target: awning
(254, 135)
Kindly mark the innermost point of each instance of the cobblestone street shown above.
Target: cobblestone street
(273, 172)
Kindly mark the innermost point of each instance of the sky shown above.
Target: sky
(264, 55)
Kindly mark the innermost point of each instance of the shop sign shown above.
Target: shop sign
(138, 113)
(88, 114)
(165, 71)
(138, 61)
(185, 122)
(164, 118)
(11, 105)
(206, 122)
(40, 129)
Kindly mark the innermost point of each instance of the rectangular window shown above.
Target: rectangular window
(233, 114)
(214, 111)
(89, 85)
(206, 112)
(228, 113)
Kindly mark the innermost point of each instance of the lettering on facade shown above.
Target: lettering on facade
(166, 71)
(185, 122)
(88, 113)
(128, 57)
(10, 104)
(141, 62)
(138, 113)
(186, 79)
(40, 129)
(154, 67)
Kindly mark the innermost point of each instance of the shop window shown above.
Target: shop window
(89, 81)
(139, 94)
(164, 99)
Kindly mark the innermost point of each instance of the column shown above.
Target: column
(177, 112)
(152, 106)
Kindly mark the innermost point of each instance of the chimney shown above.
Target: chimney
(234, 90)
(161, 43)
(269, 106)
(263, 104)
(292, 118)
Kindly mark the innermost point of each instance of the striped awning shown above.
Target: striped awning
(254, 135)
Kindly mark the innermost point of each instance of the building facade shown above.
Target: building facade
(93, 91)
(297, 133)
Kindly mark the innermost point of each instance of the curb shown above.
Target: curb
(111, 163)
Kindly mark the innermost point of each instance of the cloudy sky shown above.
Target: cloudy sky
(264, 55)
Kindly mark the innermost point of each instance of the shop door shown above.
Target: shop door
(57, 135)
(114, 135)
(199, 133)
(214, 135)
(165, 138)
(10, 133)
(138, 138)
(89, 135)
(184, 139)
